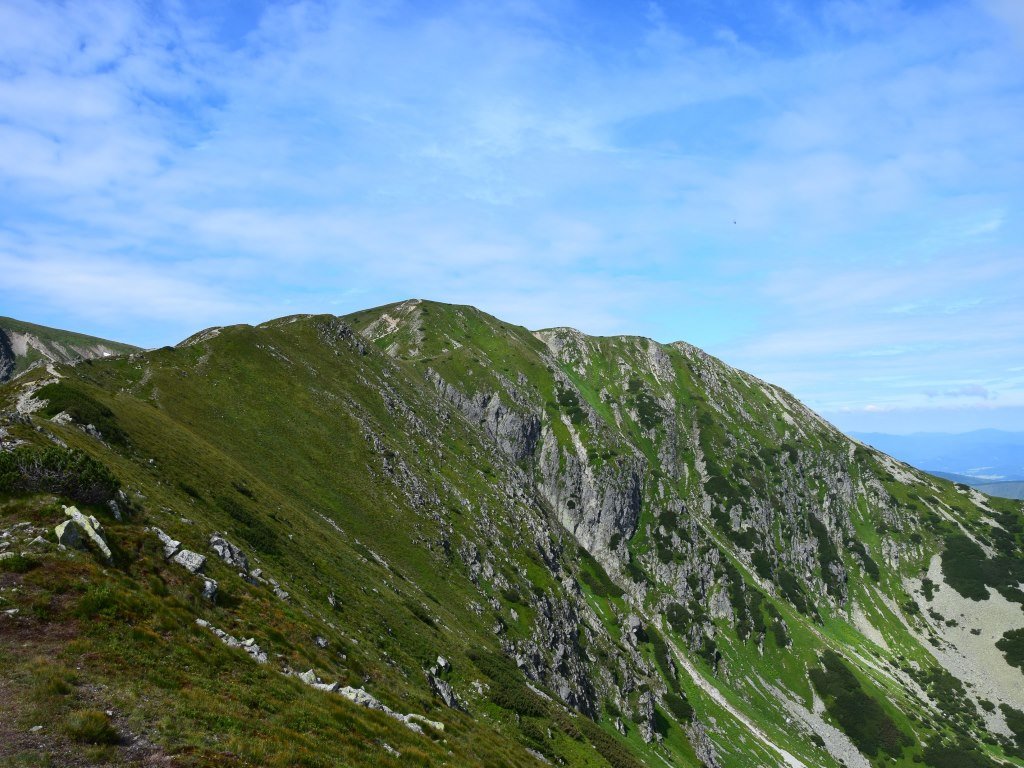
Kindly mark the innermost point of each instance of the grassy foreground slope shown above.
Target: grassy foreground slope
(626, 554)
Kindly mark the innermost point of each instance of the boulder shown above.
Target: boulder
(171, 546)
(82, 532)
(249, 646)
(191, 561)
(444, 690)
(210, 589)
(420, 719)
(363, 699)
(229, 553)
(440, 686)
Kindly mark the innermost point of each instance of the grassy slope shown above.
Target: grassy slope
(281, 421)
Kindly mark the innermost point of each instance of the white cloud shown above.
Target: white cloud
(506, 155)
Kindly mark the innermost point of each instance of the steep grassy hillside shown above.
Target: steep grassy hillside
(23, 345)
(544, 547)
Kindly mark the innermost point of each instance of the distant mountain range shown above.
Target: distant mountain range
(986, 457)
(1007, 489)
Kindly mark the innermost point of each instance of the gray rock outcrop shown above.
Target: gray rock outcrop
(191, 561)
(83, 532)
(249, 646)
(229, 553)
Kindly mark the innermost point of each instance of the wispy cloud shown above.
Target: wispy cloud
(824, 193)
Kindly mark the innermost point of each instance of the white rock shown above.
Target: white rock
(437, 726)
(191, 561)
(171, 546)
(210, 590)
(80, 532)
(249, 646)
(229, 553)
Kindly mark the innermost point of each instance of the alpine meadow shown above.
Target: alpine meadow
(419, 535)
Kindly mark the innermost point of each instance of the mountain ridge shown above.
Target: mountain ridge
(624, 552)
(24, 344)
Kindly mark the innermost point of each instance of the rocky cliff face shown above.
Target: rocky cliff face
(23, 345)
(624, 552)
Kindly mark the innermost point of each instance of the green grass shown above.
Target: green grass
(265, 434)
(90, 726)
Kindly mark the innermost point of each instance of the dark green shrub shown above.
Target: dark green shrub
(678, 617)
(792, 591)
(256, 532)
(1012, 646)
(860, 716)
(928, 588)
(827, 554)
(957, 756)
(508, 686)
(190, 490)
(679, 707)
(417, 610)
(635, 572)
(870, 566)
(608, 746)
(762, 563)
(570, 403)
(61, 471)
(710, 653)
(780, 633)
(719, 488)
(962, 566)
(90, 726)
(595, 577)
(744, 539)
(1014, 721)
(948, 693)
(661, 656)
(243, 489)
(17, 563)
(512, 595)
(646, 405)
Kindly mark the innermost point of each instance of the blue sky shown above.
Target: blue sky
(826, 194)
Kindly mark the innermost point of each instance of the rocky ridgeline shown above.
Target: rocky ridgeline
(710, 465)
(634, 525)
(23, 346)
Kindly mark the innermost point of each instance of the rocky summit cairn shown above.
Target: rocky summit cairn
(82, 532)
